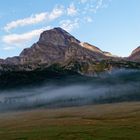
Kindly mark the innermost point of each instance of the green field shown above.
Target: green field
(119, 121)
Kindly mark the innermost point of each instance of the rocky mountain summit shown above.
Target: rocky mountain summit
(59, 53)
(135, 55)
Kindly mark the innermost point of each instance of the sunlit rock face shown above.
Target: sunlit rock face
(91, 47)
(96, 49)
(52, 47)
(135, 55)
(58, 46)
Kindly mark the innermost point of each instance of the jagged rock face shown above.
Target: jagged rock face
(57, 37)
(136, 50)
(55, 46)
(1, 61)
(52, 47)
(95, 49)
(135, 55)
(91, 47)
(58, 46)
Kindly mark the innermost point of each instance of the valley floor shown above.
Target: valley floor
(120, 121)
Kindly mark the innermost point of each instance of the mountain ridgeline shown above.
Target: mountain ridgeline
(58, 54)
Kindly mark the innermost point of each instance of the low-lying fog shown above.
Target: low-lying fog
(117, 86)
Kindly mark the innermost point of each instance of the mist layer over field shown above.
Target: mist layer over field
(117, 86)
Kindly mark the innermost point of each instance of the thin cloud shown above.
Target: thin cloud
(26, 21)
(8, 48)
(69, 25)
(88, 19)
(20, 38)
(34, 19)
(99, 5)
(93, 5)
(71, 10)
(56, 12)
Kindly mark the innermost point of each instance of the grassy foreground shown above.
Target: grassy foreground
(119, 121)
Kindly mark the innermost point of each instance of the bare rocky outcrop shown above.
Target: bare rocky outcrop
(1, 61)
(58, 46)
(135, 55)
(55, 46)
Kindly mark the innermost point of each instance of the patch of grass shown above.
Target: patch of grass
(100, 122)
(77, 132)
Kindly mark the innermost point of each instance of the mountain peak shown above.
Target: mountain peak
(136, 50)
(57, 36)
(135, 55)
(59, 29)
(58, 46)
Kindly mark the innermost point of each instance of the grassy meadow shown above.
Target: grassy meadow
(118, 121)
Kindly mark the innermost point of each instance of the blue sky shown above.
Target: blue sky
(111, 25)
